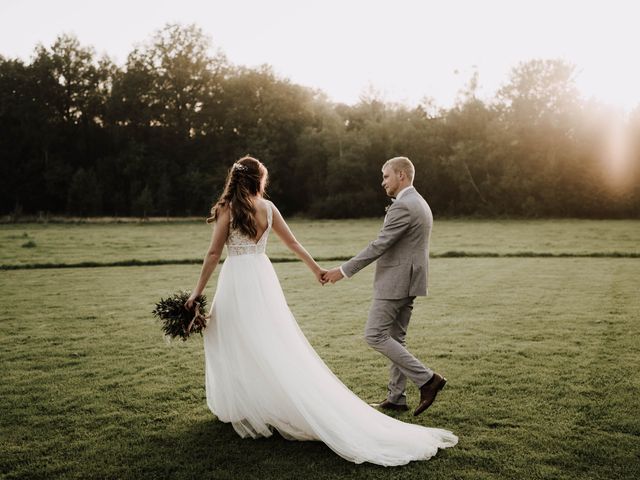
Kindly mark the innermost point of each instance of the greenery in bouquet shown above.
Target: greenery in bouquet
(177, 320)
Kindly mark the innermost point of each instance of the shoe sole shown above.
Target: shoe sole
(440, 387)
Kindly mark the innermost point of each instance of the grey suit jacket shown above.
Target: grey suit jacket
(401, 249)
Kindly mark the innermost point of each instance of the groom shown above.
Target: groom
(402, 252)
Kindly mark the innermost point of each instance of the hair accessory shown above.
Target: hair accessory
(239, 166)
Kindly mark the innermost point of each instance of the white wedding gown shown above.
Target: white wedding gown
(262, 373)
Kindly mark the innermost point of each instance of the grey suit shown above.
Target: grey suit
(402, 270)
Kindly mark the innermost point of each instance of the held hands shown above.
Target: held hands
(320, 276)
(333, 275)
(325, 276)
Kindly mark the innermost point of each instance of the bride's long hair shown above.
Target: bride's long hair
(246, 179)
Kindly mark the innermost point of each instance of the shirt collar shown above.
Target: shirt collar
(403, 191)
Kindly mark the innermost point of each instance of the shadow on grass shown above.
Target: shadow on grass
(212, 449)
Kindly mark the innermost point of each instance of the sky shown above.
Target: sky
(403, 50)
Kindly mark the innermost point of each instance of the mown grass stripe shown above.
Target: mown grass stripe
(194, 261)
(454, 254)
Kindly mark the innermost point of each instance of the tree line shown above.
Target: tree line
(81, 135)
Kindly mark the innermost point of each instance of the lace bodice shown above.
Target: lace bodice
(239, 244)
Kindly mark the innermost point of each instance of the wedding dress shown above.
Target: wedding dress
(262, 373)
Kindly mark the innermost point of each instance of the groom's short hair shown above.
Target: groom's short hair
(401, 164)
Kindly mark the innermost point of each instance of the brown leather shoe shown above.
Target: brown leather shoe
(387, 405)
(429, 391)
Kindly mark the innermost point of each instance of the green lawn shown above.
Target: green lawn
(541, 354)
(63, 243)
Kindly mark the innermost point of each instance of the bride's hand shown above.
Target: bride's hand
(190, 301)
(320, 276)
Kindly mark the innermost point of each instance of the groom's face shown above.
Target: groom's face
(390, 181)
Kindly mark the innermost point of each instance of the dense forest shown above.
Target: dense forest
(81, 135)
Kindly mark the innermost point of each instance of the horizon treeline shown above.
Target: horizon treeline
(81, 135)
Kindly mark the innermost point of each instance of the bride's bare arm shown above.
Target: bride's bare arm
(212, 258)
(284, 233)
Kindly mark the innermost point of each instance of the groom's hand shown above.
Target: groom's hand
(333, 275)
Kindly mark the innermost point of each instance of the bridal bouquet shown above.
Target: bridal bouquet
(176, 320)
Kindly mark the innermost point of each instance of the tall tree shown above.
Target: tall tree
(539, 108)
(168, 81)
(76, 84)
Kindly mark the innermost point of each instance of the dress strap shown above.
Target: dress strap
(269, 213)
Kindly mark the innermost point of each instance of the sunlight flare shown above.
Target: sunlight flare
(617, 152)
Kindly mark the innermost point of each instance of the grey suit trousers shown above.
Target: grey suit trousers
(385, 332)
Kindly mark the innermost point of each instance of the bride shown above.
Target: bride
(261, 372)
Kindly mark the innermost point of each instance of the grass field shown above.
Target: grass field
(62, 243)
(541, 354)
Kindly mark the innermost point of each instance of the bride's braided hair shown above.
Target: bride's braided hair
(243, 182)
